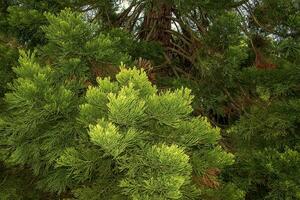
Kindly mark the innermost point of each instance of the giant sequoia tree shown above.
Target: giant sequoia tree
(132, 127)
(74, 125)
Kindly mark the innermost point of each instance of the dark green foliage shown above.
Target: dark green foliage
(18, 184)
(26, 24)
(280, 16)
(70, 33)
(267, 140)
(8, 58)
(269, 174)
(260, 107)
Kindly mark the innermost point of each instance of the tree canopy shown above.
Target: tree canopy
(150, 99)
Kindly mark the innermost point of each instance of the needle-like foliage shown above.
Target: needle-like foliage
(150, 145)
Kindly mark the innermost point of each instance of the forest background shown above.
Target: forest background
(150, 99)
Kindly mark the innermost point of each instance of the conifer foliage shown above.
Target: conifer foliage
(148, 144)
(209, 109)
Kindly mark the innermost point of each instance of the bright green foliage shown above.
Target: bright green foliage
(49, 124)
(49, 97)
(66, 133)
(148, 144)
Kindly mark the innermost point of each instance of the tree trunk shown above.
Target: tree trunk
(157, 20)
